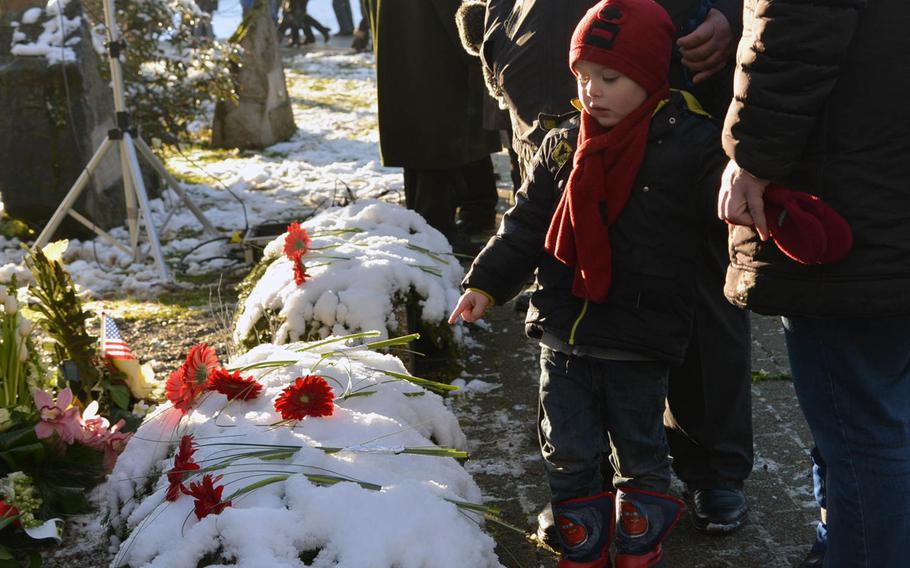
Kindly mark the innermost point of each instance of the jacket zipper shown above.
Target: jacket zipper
(584, 310)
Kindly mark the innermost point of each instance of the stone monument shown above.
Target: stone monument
(262, 114)
(56, 109)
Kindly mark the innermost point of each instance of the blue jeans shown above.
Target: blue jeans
(587, 403)
(852, 377)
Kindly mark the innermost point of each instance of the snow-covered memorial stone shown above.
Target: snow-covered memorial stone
(309, 454)
(56, 111)
(358, 268)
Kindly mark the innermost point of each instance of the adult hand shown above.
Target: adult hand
(740, 202)
(707, 49)
(471, 307)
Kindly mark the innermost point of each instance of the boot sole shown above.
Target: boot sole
(708, 527)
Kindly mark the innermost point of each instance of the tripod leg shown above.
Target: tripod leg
(142, 196)
(129, 193)
(153, 161)
(72, 195)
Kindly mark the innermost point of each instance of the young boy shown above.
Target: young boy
(611, 219)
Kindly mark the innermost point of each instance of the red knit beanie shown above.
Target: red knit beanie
(633, 37)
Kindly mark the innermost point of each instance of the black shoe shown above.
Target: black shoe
(815, 559)
(344, 33)
(465, 246)
(719, 511)
(325, 34)
(361, 39)
(546, 527)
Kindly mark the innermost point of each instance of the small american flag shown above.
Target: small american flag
(112, 345)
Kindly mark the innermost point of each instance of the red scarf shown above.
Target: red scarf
(604, 168)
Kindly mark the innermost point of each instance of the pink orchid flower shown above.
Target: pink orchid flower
(114, 445)
(98, 434)
(94, 428)
(57, 416)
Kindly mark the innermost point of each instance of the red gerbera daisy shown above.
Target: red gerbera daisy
(201, 362)
(208, 497)
(233, 385)
(179, 391)
(297, 241)
(308, 396)
(184, 384)
(183, 464)
(300, 275)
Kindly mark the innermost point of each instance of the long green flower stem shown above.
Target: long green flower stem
(10, 365)
(488, 513)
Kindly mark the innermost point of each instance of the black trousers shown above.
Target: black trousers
(344, 16)
(709, 414)
(436, 194)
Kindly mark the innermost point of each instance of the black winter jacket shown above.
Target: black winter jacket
(525, 54)
(654, 241)
(821, 107)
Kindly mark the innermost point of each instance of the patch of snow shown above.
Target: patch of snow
(476, 386)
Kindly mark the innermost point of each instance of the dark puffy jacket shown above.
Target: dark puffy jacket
(525, 53)
(822, 108)
(654, 241)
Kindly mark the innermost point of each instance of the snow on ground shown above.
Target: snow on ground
(333, 157)
(407, 524)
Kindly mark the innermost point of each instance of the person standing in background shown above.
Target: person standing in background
(342, 9)
(430, 99)
(819, 108)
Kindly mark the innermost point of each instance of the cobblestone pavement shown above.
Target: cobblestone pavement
(500, 425)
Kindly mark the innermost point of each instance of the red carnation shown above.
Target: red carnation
(233, 385)
(297, 242)
(208, 497)
(308, 396)
(183, 464)
(184, 384)
(300, 275)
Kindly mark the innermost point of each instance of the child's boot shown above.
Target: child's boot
(643, 521)
(584, 527)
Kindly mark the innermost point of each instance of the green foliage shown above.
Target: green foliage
(759, 376)
(15, 229)
(61, 474)
(170, 69)
(64, 319)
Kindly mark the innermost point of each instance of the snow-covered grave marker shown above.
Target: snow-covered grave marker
(364, 487)
(360, 265)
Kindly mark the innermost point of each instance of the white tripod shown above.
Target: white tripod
(134, 189)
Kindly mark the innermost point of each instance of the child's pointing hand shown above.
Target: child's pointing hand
(471, 307)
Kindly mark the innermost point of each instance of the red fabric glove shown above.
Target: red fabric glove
(805, 228)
